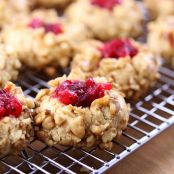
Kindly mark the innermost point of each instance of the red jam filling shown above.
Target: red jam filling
(80, 93)
(37, 23)
(108, 4)
(118, 48)
(9, 105)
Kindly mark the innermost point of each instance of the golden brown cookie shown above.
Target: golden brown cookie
(161, 38)
(43, 39)
(108, 19)
(79, 112)
(15, 119)
(123, 61)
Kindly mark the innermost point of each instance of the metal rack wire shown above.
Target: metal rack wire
(149, 117)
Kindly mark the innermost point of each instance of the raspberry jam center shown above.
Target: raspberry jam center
(108, 4)
(56, 28)
(118, 48)
(80, 93)
(9, 105)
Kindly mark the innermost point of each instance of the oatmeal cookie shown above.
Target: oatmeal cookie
(108, 19)
(124, 61)
(9, 67)
(79, 112)
(43, 39)
(160, 8)
(161, 38)
(15, 119)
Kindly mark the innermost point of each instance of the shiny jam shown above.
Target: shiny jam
(118, 48)
(80, 93)
(56, 28)
(9, 105)
(107, 4)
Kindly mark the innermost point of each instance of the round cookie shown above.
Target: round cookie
(123, 61)
(160, 8)
(107, 19)
(79, 112)
(43, 39)
(161, 38)
(15, 119)
(9, 67)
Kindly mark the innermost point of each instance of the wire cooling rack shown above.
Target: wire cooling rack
(149, 117)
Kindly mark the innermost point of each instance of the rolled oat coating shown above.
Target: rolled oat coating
(43, 39)
(9, 67)
(75, 125)
(160, 8)
(107, 20)
(15, 119)
(134, 74)
(161, 38)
